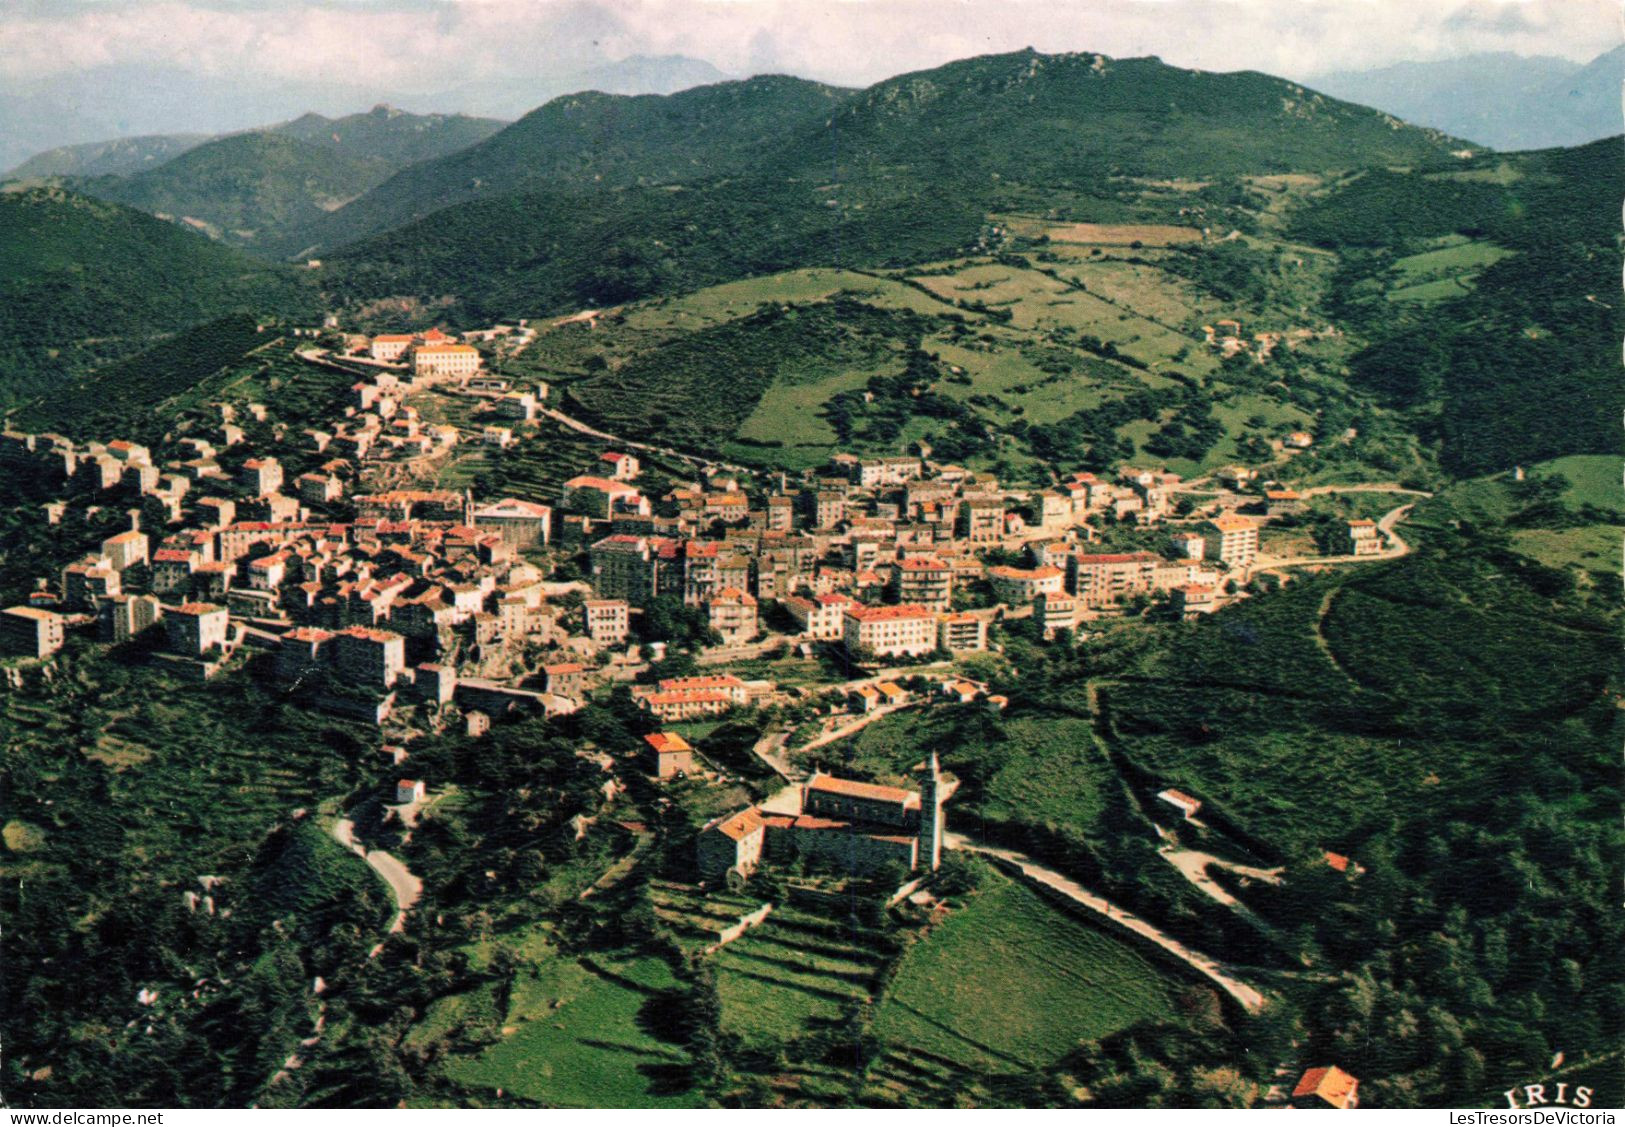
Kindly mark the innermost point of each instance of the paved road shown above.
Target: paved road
(1365, 487)
(632, 444)
(407, 887)
(1397, 546)
(1250, 999)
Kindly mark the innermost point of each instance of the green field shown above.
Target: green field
(737, 299)
(1041, 303)
(574, 1037)
(789, 414)
(1566, 538)
(1009, 983)
(1444, 273)
(785, 370)
(1594, 479)
(1033, 767)
(1594, 547)
(795, 971)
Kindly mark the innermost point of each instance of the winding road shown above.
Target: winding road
(1215, 971)
(1397, 544)
(407, 887)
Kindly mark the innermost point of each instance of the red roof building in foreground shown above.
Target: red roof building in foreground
(1327, 1087)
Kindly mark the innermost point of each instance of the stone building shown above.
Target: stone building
(732, 614)
(124, 616)
(672, 754)
(608, 621)
(367, 656)
(857, 827)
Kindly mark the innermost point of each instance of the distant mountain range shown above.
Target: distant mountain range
(1023, 116)
(639, 74)
(1505, 101)
(595, 199)
(604, 197)
(131, 100)
(118, 157)
(251, 188)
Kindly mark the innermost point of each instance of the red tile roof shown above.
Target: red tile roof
(741, 825)
(871, 792)
(1330, 1084)
(881, 614)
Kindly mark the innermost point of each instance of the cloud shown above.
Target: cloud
(404, 46)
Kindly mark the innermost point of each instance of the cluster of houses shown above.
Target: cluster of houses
(1226, 337)
(403, 590)
(371, 598)
(871, 552)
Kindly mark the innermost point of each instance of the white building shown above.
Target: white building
(900, 631)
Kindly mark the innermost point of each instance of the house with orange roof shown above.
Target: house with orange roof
(672, 754)
(924, 581)
(1326, 1087)
(961, 633)
(731, 844)
(565, 679)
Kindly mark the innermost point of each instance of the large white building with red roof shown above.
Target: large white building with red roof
(900, 631)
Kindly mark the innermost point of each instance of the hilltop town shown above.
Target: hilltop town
(327, 555)
(408, 596)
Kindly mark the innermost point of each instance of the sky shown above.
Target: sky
(123, 63)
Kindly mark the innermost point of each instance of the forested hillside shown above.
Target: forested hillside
(83, 282)
(1523, 364)
(590, 139)
(249, 189)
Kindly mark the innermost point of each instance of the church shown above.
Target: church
(855, 826)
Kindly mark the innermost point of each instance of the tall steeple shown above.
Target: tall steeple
(932, 823)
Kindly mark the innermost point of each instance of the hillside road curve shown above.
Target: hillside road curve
(1250, 999)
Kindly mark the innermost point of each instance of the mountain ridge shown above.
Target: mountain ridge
(1096, 116)
(1499, 99)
